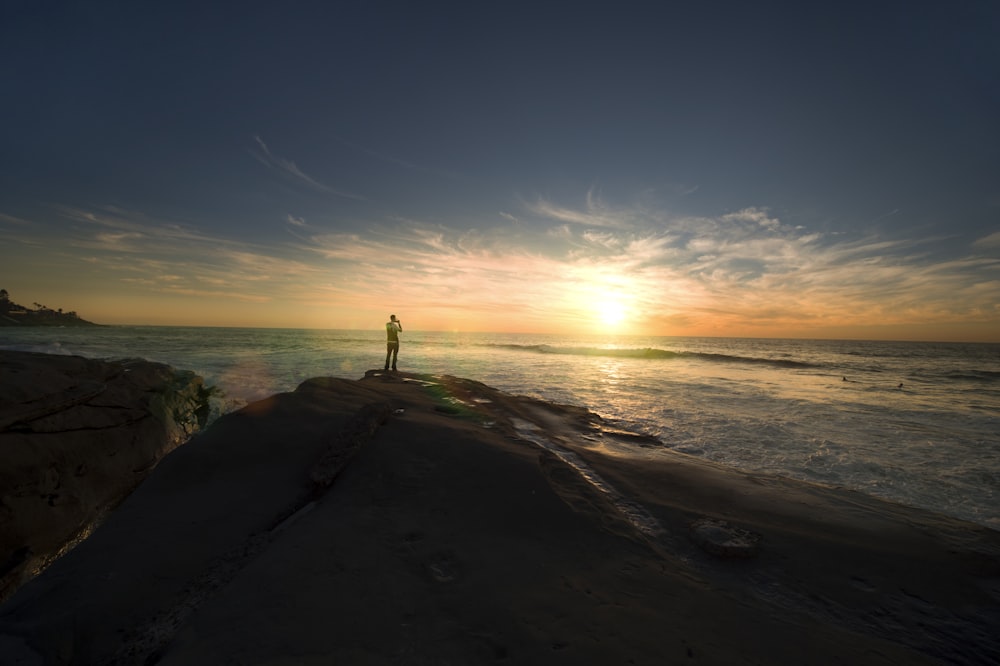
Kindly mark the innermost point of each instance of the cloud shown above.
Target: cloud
(127, 231)
(602, 238)
(892, 212)
(13, 220)
(739, 273)
(988, 242)
(757, 216)
(596, 213)
(170, 259)
(263, 155)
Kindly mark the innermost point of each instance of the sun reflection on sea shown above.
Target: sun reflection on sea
(611, 372)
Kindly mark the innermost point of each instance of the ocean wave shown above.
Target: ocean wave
(653, 353)
(986, 376)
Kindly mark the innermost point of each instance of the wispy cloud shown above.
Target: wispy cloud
(289, 168)
(894, 211)
(740, 273)
(988, 242)
(595, 213)
(756, 216)
(10, 219)
(172, 259)
(118, 230)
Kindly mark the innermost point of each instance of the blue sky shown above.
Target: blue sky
(715, 168)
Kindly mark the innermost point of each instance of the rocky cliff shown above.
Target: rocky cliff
(76, 437)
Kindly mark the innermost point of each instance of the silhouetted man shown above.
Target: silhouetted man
(393, 328)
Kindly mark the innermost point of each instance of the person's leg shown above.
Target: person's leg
(388, 353)
(395, 353)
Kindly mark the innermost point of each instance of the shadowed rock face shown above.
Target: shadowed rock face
(425, 519)
(76, 437)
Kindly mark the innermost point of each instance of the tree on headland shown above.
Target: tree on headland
(12, 314)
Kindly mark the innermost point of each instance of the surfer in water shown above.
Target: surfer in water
(393, 328)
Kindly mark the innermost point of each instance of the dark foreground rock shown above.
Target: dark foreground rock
(406, 519)
(76, 436)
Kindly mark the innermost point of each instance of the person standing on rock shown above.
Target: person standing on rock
(393, 328)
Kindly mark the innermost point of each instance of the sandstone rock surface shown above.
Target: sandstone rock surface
(77, 435)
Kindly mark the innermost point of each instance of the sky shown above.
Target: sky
(744, 169)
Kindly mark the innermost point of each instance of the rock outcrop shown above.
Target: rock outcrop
(428, 519)
(77, 436)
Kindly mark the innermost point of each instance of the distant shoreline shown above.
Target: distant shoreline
(15, 315)
(60, 323)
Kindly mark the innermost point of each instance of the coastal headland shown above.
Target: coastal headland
(14, 314)
(418, 519)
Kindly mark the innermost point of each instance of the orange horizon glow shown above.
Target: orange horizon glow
(415, 321)
(741, 275)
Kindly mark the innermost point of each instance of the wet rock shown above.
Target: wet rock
(724, 540)
(76, 437)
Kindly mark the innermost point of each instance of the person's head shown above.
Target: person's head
(392, 317)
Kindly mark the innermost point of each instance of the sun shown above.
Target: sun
(604, 306)
(611, 312)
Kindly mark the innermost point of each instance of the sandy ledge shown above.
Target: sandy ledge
(412, 519)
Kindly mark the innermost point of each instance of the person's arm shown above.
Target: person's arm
(399, 324)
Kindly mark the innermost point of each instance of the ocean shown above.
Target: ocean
(917, 423)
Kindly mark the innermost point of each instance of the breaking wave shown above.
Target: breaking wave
(653, 353)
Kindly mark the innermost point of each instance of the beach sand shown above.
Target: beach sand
(413, 519)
